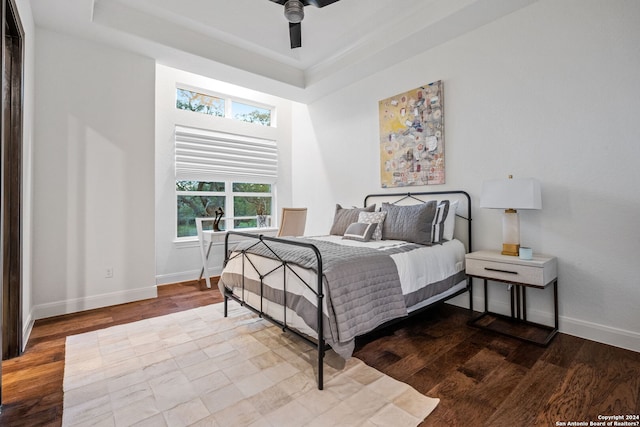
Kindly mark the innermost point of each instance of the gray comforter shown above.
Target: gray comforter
(362, 287)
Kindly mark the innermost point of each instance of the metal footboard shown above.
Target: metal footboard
(318, 291)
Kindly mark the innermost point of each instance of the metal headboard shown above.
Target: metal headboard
(423, 197)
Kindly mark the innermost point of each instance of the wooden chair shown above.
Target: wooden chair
(292, 222)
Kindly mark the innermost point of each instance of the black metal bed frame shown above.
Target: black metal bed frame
(320, 343)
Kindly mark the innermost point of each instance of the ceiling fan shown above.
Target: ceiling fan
(294, 12)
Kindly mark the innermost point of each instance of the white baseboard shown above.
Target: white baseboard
(616, 337)
(27, 327)
(184, 276)
(58, 308)
(622, 338)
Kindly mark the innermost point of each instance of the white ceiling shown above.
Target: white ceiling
(246, 42)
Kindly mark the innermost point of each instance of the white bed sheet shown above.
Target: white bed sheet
(417, 268)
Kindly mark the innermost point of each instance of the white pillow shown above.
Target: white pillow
(373, 218)
(450, 221)
(437, 227)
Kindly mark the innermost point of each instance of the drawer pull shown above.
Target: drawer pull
(501, 271)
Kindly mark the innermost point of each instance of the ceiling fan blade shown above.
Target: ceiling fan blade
(295, 35)
(318, 3)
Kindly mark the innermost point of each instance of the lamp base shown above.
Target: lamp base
(510, 249)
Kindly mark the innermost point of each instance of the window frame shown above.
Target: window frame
(188, 88)
(235, 127)
(229, 214)
(228, 104)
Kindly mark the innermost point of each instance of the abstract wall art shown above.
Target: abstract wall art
(412, 137)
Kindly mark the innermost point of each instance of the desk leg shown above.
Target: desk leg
(207, 257)
(205, 270)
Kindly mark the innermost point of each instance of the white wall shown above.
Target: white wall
(93, 176)
(552, 92)
(179, 260)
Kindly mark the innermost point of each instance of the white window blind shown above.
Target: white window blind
(207, 155)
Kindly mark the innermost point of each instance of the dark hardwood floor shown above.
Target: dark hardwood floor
(482, 379)
(485, 379)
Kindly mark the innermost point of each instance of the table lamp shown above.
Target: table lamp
(511, 194)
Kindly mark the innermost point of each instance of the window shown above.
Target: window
(199, 102)
(198, 199)
(234, 172)
(252, 204)
(245, 205)
(219, 106)
(251, 113)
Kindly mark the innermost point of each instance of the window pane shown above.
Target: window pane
(199, 102)
(208, 225)
(243, 187)
(199, 186)
(251, 113)
(251, 206)
(191, 207)
(245, 223)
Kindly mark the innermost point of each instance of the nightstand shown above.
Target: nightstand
(518, 274)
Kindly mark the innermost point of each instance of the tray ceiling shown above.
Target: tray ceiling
(247, 41)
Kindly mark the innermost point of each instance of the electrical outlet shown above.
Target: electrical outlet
(108, 273)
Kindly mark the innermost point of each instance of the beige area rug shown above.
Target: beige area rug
(198, 368)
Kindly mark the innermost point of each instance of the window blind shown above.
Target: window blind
(206, 155)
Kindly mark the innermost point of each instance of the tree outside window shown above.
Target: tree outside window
(216, 106)
(199, 103)
(245, 205)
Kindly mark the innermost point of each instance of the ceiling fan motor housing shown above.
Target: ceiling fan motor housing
(294, 11)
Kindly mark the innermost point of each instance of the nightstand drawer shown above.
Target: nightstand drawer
(518, 273)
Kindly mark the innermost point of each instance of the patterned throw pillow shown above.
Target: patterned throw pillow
(437, 227)
(373, 218)
(359, 231)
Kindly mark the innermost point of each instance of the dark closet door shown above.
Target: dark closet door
(11, 184)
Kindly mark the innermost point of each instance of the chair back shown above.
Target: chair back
(292, 222)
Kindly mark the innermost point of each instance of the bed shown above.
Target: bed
(376, 266)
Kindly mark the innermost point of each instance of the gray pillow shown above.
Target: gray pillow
(409, 223)
(360, 231)
(345, 217)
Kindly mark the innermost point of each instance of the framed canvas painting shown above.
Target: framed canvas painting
(412, 137)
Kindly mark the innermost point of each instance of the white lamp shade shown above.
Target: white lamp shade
(512, 193)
